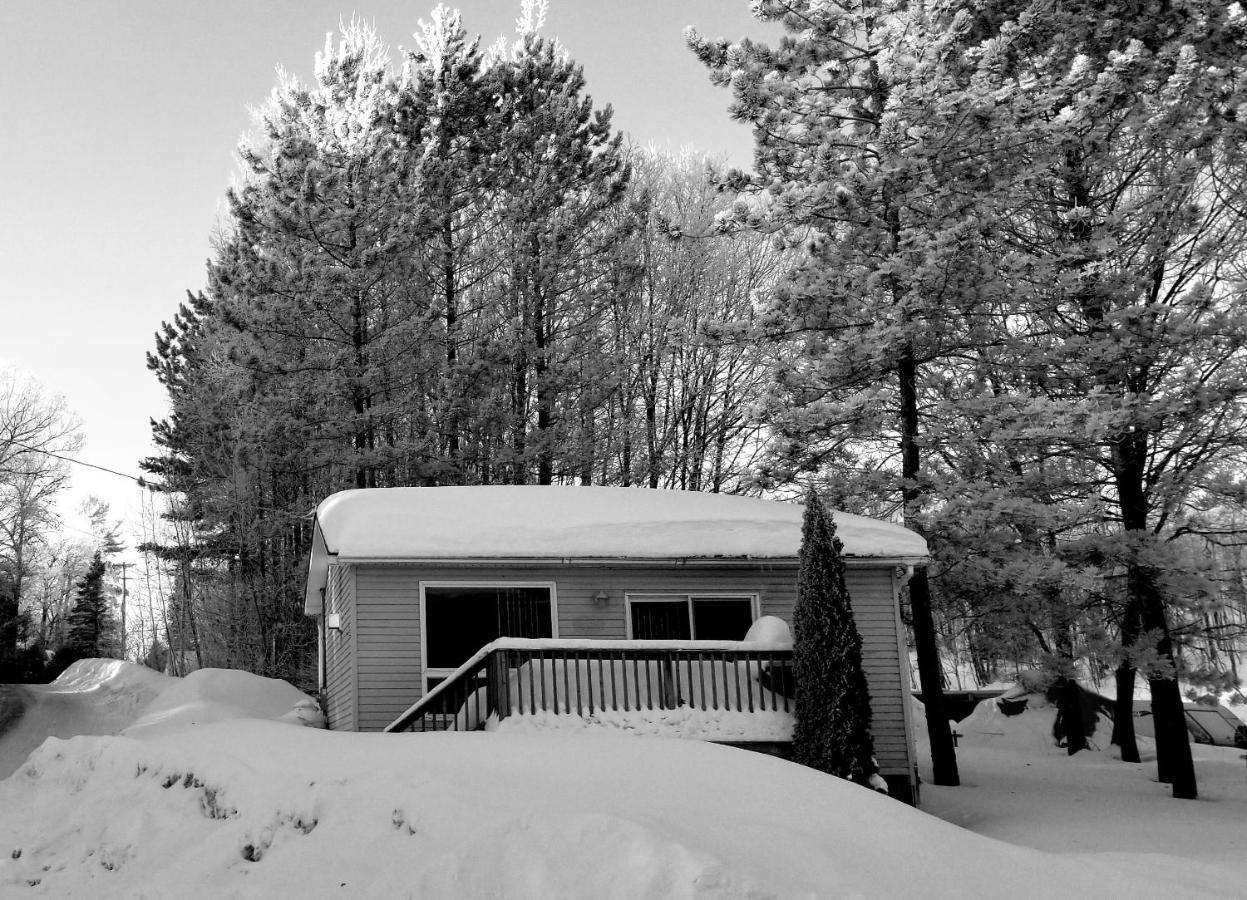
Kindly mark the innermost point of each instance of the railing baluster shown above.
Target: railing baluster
(678, 695)
(567, 686)
(506, 686)
(579, 696)
(601, 681)
(544, 659)
(610, 658)
(480, 719)
(553, 705)
(532, 685)
(714, 685)
(749, 682)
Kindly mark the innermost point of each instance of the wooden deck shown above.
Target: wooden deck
(613, 682)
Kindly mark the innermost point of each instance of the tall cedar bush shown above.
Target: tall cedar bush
(832, 731)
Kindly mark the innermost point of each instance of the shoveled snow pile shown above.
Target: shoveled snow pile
(184, 806)
(92, 696)
(213, 695)
(258, 809)
(116, 681)
(1029, 731)
(108, 696)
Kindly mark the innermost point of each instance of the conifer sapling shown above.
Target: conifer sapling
(832, 731)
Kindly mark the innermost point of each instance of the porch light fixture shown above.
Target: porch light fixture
(333, 622)
(601, 598)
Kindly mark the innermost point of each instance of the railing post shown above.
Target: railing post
(669, 700)
(497, 685)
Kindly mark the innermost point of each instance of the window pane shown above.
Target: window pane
(722, 620)
(659, 621)
(460, 620)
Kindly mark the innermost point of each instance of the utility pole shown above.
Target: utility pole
(123, 565)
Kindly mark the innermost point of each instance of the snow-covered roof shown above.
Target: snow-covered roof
(525, 523)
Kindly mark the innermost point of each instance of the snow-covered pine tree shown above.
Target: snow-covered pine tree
(91, 624)
(447, 122)
(328, 330)
(869, 156)
(1126, 232)
(562, 168)
(832, 711)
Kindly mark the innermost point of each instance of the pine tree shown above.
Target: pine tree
(562, 170)
(91, 620)
(1127, 233)
(832, 730)
(844, 110)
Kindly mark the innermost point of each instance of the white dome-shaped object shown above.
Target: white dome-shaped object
(771, 631)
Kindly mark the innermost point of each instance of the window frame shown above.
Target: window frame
(441, 673)
(687, 599)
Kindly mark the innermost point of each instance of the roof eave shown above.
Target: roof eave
(569, 561)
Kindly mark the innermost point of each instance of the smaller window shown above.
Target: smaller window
(703, 617)
(722, 618)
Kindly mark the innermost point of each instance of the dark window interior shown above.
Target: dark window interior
(713, 619)
(657, 621)
(722, 620)
(461, 620)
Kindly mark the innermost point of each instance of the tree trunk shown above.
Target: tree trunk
(1123, 705)
(943, 753)
(1173, 747)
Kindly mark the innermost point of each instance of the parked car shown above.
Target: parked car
(1214, 725)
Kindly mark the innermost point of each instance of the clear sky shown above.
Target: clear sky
(118, 125)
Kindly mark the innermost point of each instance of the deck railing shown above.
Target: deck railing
(587, 678)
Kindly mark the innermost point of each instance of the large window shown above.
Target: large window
(702, 617)
(460, 618)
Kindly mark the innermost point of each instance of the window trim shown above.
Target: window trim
(686, 598)
(425, 672)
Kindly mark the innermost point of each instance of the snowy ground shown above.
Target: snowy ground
(207, 794)
(1018, 787)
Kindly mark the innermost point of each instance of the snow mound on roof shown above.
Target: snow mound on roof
(249, 808)
(214, 695)
(597, 522)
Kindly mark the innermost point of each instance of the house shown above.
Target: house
(409, 584)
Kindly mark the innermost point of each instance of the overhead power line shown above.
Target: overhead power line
(137, 479)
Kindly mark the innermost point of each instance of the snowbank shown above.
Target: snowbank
(108, 697)
(1030, 731)
(214, 695)
(254, 809)
(112, 676)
